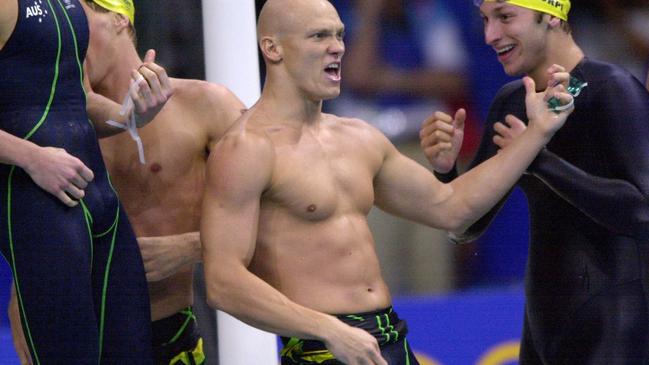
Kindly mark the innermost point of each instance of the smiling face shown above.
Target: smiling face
(310, 44)
(519, 36)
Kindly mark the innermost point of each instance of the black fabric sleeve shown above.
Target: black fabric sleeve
(620, 204)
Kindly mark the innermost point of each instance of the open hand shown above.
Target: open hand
(540, 116)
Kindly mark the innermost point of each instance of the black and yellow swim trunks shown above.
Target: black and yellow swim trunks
(388, 329)
(176, 340)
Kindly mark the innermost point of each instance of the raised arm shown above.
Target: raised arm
(407, 190)
(618, 200)
(239, 170)
(149, 97)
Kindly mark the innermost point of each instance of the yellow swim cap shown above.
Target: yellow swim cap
(124, 7)
(558, 8)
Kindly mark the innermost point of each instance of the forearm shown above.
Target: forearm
(252, 300)
(192, 245)
(615, 204)
(480, 226)
(16, 151)
(101, 109)
(187, 245)
(477, 191)
(164, 256)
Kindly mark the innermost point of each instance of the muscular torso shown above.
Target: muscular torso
(314, 244)
(163, 197)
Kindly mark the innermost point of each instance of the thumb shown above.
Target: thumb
(149, 56)
(530, 86)
(460, 117)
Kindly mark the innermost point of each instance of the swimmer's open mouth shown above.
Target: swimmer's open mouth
(333, 70)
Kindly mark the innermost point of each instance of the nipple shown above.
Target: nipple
(311, 208)
(155, 167)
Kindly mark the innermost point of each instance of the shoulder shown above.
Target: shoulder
(244, 144)
(212, 106)
(600, 74)
(206, 93)
(612, 84)
(242, 159)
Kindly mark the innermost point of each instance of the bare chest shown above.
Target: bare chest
(315, 180)
(174, 157)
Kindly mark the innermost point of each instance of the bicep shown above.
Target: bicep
(236, 178)
(405, 188)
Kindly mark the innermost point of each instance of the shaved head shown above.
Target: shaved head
(302, 45)
(278, 17)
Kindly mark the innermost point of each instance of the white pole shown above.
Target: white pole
(231, 59)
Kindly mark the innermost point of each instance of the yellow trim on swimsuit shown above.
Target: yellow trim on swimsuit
(197, 354)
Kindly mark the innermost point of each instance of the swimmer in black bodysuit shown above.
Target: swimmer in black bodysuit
(588, 193)
(77, 270)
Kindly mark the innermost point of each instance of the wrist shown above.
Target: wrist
(28, 156)
(326, 329)
(541, 134)
(195, 249)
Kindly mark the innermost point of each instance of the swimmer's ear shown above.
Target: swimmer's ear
(120, 21)
(271, 50)
(554, 22)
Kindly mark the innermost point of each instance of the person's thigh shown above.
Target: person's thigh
(48, 247)
(121, 296)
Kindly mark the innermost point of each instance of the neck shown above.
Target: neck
(282, 102)
(561, 50)
(117, 80)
